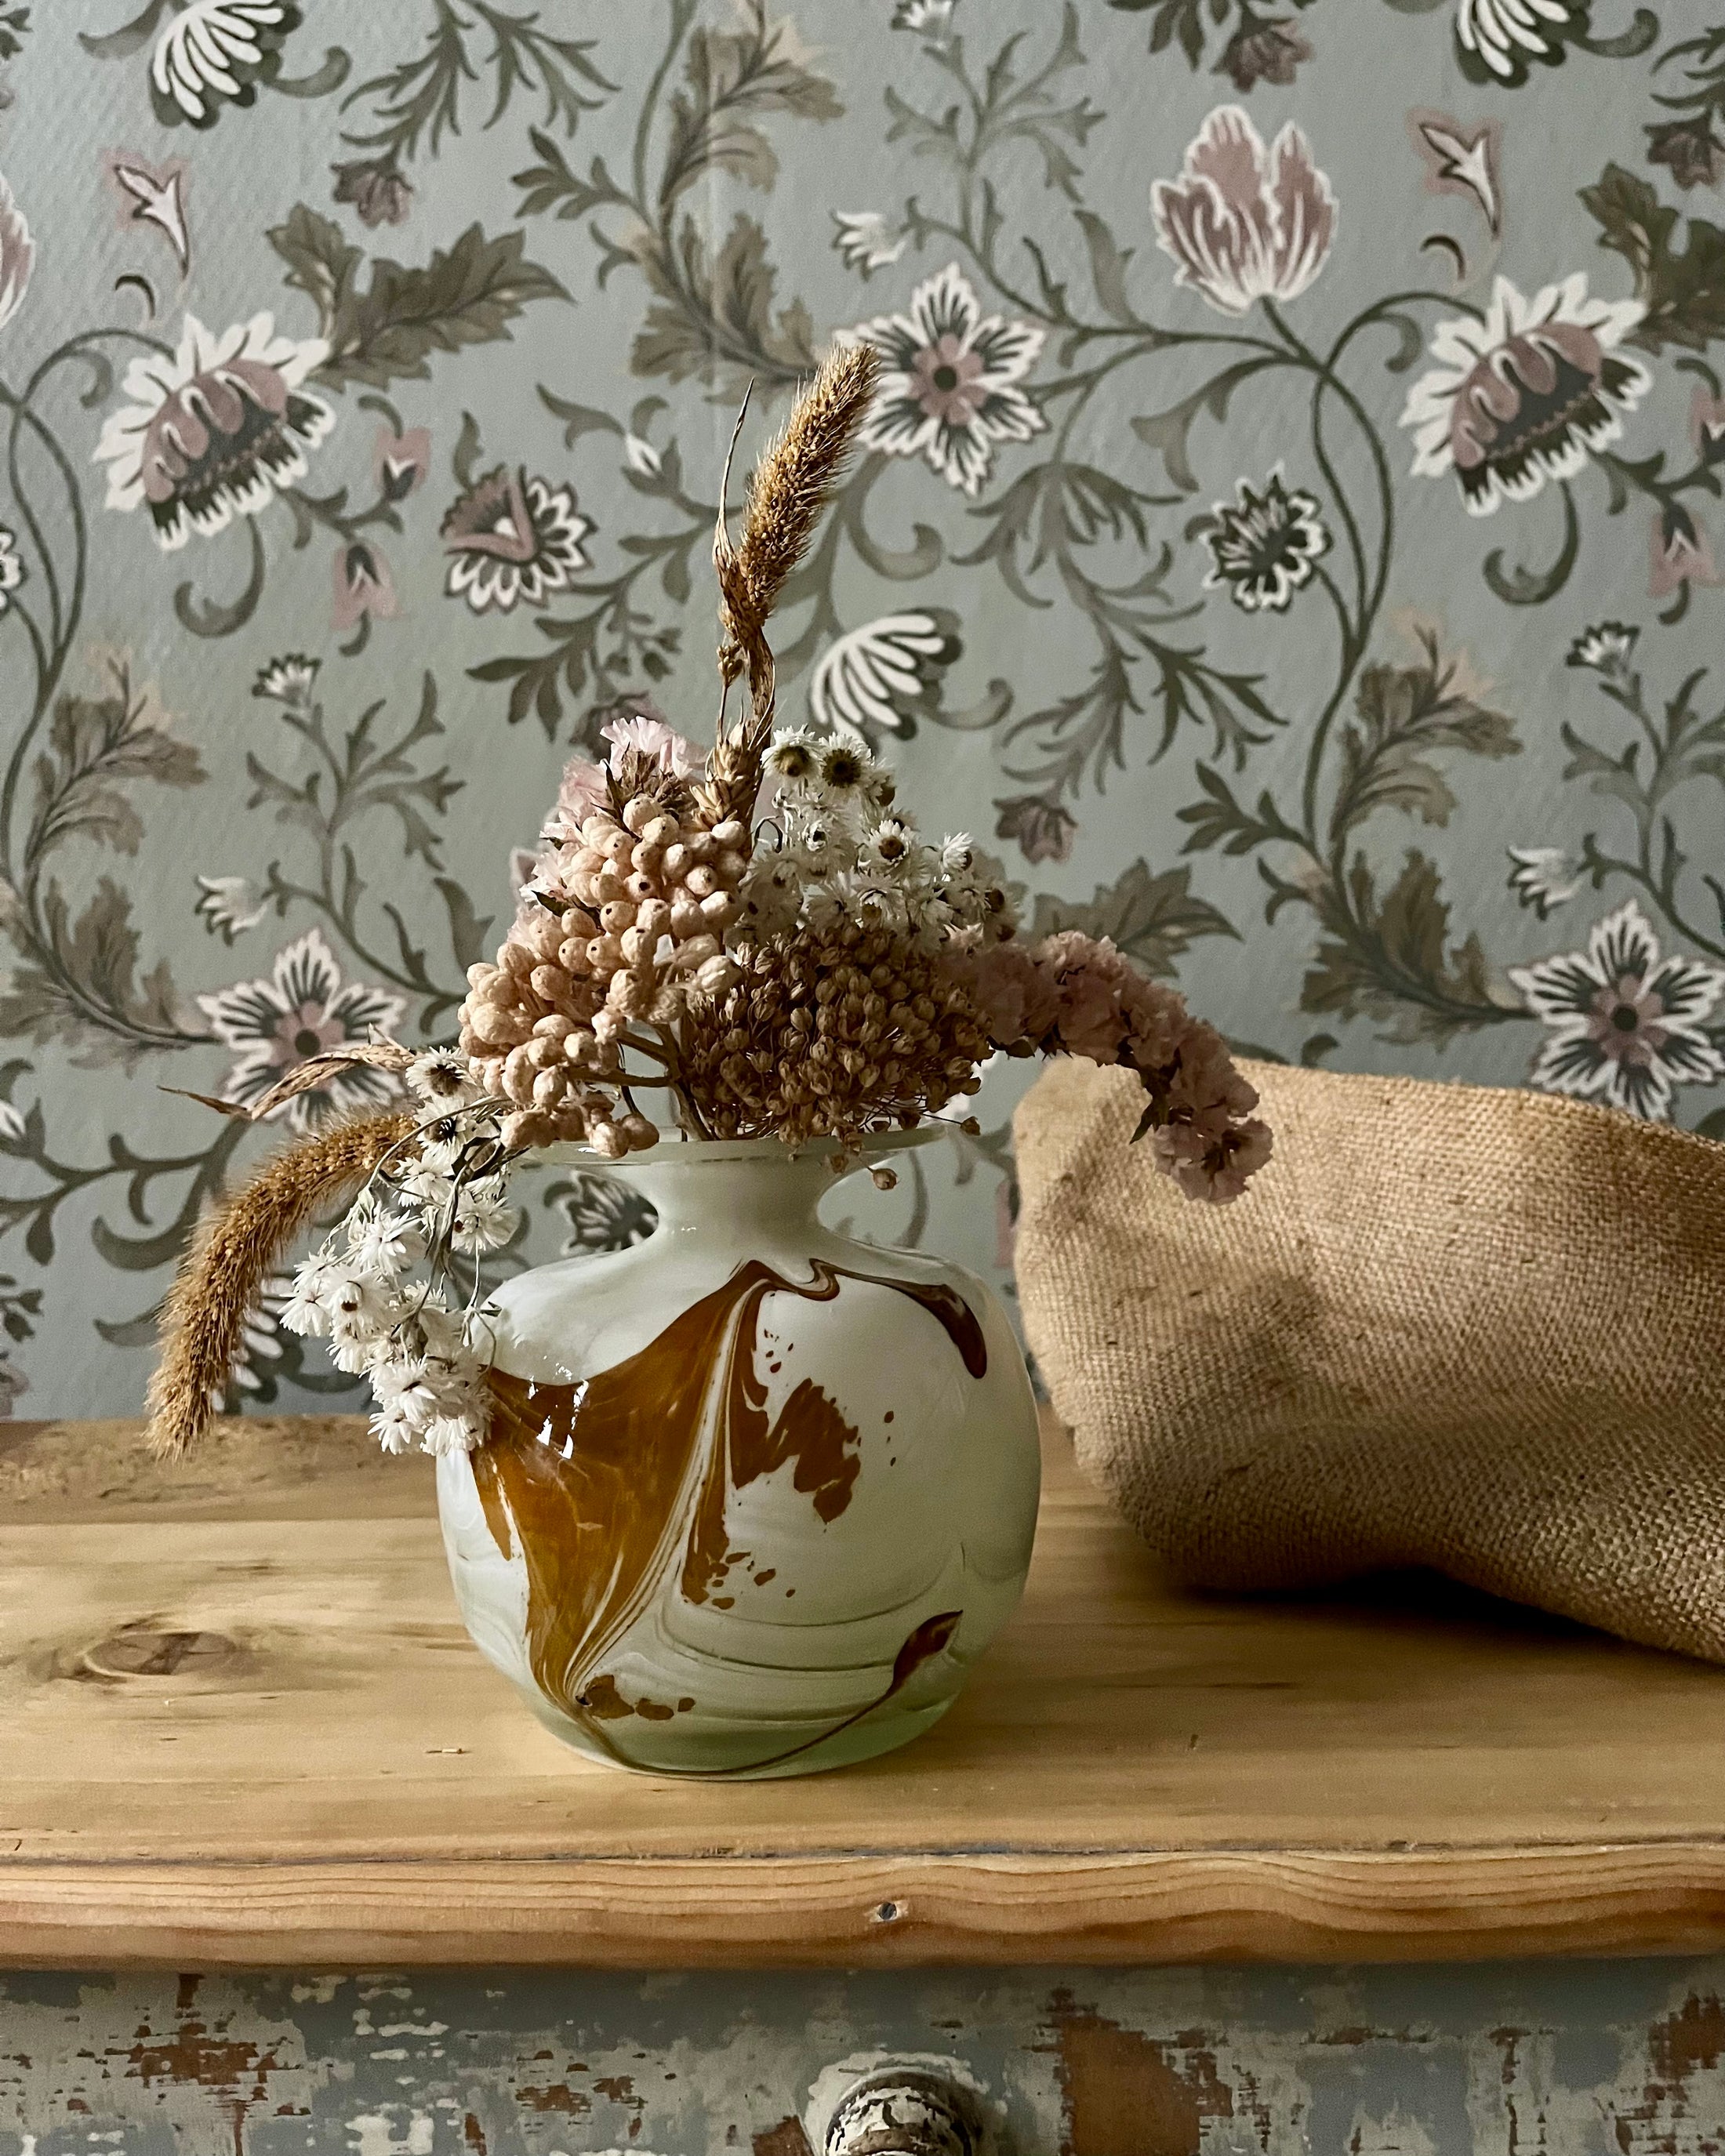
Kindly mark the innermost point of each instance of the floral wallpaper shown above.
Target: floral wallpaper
(1288, 531)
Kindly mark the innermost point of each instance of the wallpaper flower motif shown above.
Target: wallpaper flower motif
(302, 1009)
(513, 536)
(949, 387)
(1265, 544)
(214, 432)
(1524, 395)
(1290, 526)
(1243, 223)
(1626, 1026)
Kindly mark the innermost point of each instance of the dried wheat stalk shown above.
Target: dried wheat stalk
(791, 485)
(383, 1054)
(217, 1283)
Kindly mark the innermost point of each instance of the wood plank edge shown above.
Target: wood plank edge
(1172, 1906)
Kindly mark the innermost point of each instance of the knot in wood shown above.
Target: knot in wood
(144, 1651)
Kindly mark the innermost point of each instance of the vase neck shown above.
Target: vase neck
(771, 1191)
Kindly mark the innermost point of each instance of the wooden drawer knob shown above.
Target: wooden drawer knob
(904, 2110)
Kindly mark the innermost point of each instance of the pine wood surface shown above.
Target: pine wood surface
(242, 1727)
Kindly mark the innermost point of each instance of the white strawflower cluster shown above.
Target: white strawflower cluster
(386, 1286)
(845, 853)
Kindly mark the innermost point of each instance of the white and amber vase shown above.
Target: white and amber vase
(756, 1496)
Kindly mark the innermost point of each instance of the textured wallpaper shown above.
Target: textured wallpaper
(1288, 531)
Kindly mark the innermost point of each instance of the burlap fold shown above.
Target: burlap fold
(1449, 1325)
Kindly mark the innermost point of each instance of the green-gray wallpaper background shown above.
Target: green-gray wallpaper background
(1286, 532)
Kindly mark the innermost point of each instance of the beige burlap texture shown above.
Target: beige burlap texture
(1449, 1326)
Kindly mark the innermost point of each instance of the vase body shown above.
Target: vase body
(756, 1494)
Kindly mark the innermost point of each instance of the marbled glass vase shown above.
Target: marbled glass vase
(756, 1494)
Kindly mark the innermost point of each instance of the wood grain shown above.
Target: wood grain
(244, 1728)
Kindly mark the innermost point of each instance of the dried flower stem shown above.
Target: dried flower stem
(791, 485)
(219, 1281)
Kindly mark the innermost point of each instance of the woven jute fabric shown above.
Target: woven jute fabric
(1477, 1330)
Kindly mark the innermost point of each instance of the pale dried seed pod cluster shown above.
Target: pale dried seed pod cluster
(624, 923)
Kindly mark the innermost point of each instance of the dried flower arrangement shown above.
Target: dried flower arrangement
(818, 971)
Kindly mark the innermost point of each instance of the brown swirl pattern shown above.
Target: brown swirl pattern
(609, 1484)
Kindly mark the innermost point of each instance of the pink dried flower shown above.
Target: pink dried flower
(1091, 983)
(1074, 993)
(1205, 1089)
(676, 757)
(1214, 1170)
(1014, 996)
(580, 791)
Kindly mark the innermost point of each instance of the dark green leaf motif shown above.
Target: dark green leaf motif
(1682, 287)
(466, 294)
(1390, 956)
(1402, 715)
(1154, 918)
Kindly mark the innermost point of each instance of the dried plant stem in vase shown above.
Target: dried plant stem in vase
(749, 1497)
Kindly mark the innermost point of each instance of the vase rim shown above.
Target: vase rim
(716, 1153)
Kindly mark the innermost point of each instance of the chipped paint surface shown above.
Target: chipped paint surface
(1601, 2059)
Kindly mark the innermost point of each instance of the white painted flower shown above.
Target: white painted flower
(1607, 648)
(1525, 395)
(511, 536)
(1500, 40)
(866, 241)
(12, 1124)
(949, 382)
(1462, 160)
(878, 675)
(932, 19)
(1265, 544)
(1543, 877)
(230, 905)
(12, 566)
(212, 53)
(214, 432)
(1625, 1026)
(1245, 222)
(641, 457)
(303, 1009)
(150, 195)
(18, 256)
(290, 680)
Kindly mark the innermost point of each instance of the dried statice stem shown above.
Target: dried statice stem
(217, 1284)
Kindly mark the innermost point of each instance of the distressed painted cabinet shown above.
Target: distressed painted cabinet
(284, 1866)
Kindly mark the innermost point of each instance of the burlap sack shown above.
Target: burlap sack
(1448, 1326)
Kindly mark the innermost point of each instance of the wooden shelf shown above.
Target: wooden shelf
(244, 1728)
